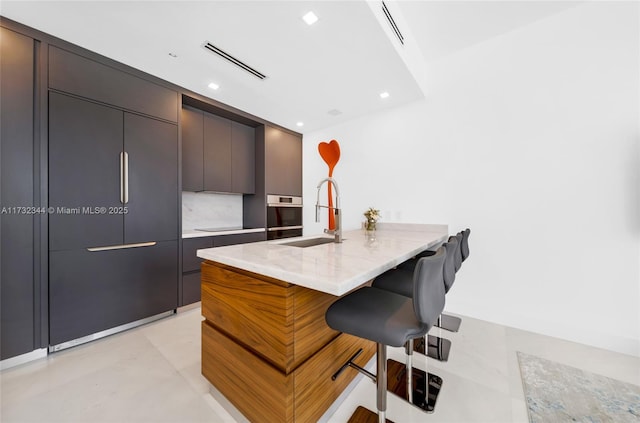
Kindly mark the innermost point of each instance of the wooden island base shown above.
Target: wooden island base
(267, 349)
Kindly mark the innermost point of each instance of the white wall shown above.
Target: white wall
(530, 139)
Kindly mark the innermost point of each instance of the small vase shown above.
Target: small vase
(370, 225)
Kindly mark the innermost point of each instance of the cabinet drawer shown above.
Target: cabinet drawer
(257, 311)
(222, 240)
(314, 391)
(260, 391)
(87, 78)
(93, 291)
(190, 246)
(190, 288)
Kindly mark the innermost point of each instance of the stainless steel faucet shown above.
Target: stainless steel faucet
(336, 210)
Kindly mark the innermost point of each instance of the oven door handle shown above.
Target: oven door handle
(283, 228)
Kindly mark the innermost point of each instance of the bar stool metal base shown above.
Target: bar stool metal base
(422, 398)
(450, 323)
(364, 415)
(439, 348)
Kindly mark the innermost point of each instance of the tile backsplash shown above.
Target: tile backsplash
(207, 210)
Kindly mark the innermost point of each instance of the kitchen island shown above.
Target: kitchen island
(265, 344)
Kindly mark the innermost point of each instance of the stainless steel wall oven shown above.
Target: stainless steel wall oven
(284, 216)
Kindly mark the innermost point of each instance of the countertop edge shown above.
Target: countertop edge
(309, 280)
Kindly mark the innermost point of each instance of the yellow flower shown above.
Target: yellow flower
(372, 214)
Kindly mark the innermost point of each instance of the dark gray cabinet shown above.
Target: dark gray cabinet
(191, 267)
(243, 153)
(283, 162)
(191, 262)
(190, 246)
(17, 196)
(192, 149)
(87, 78)
(223, 240)
(94, 291)
(113, 182)
(61, 149)
(87, 184)
(85, 142)
(217, 154)
(152, 148)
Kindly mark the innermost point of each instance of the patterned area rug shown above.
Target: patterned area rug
(558, 393)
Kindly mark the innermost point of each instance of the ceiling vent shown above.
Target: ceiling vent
(231, 59)
(392, 22)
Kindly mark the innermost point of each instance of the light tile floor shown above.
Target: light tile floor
(152, 374)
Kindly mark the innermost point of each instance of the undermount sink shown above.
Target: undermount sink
(303, 243)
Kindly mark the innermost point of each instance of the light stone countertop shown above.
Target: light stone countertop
(192, 233)
(332, 268)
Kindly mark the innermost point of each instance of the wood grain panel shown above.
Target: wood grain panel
(310, 329)
(313, 387)
(261, 392)
(267, 348)
(258, 314)
(264, 278)
(363, 415)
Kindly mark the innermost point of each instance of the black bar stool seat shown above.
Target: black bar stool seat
(378, 315)
(388, 318)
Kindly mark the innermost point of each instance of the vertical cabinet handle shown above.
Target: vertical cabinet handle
(124, 177)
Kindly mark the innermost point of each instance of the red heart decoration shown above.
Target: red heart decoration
(330, 153)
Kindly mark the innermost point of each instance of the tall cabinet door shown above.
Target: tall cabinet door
(91, 291)
(243, 153)
(152, 207)
(192, 149)
(217, 153)
(85, 144)
(283, 162)
(17, 284)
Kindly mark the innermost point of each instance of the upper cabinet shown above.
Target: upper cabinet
(86, 78)
(218, 154)
(243, 158)
(192, 149)
(283, 162)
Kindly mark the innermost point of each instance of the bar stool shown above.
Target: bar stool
(464, 247)
(392, 319)
(448, 322)
(400, 281)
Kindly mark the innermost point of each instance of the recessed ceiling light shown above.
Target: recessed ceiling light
(384, 95)
(300, 124)
(310, 18)
(214, 86)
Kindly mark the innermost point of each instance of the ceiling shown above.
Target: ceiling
(321, 75)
